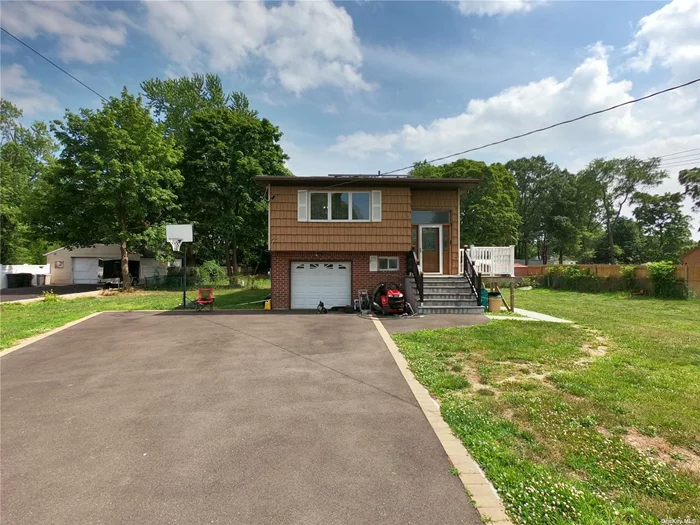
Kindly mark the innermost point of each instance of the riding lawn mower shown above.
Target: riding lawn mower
(387, 299)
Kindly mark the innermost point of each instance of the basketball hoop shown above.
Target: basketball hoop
(175, 243)
(176, 234)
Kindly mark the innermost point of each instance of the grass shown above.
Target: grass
(548, 409)
(25, 320)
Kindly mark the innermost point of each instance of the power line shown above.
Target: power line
(539, 130)
(676, 153)
(681, 159)
(53, 63)
(688, 162)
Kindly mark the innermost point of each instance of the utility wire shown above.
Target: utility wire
(539, 130)
(677, 153)
(53, 63)
(688, 162)
(679, 157)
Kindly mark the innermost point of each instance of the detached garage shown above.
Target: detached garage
(329, 282)
(97, 264)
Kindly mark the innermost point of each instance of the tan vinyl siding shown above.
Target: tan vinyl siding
(442, 200)
(392, 234)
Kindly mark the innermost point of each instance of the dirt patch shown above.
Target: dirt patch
(678, 457)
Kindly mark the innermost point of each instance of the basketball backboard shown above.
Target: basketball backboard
(181, 232)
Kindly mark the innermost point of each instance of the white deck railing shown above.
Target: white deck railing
(491, 260)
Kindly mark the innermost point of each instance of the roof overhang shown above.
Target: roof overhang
(368, 181)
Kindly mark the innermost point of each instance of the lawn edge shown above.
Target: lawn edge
(476, 484)
(35, 338)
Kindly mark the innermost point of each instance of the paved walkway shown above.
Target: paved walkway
(251, 418)
(540, 317)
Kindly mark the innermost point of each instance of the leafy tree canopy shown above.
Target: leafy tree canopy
(115, 178)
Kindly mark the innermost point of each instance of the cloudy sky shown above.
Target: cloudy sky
(359, 87)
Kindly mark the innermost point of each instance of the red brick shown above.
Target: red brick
(362, 278)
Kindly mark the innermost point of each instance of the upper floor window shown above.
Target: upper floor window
(340, 206)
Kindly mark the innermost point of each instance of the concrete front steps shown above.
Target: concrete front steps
(450, 294)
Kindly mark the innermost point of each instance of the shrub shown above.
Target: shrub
(527, 281)
(212, 272)
(628, 274)
(49, 296)
(664, 282)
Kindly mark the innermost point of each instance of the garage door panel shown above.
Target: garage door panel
(321, 281)
(85, 270)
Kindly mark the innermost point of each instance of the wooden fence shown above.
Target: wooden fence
(690, 274)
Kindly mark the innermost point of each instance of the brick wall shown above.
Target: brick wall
(362, 278)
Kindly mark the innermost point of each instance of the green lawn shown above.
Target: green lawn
(18, 321)
(550, 410)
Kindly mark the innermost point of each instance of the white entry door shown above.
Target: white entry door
(328, 282)
(85, 270)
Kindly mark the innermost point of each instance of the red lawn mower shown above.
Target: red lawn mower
(387, 299)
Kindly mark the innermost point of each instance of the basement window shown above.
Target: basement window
(388, 264)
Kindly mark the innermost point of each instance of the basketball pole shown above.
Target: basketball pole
(184, 278)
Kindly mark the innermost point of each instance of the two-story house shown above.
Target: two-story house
(331, 237)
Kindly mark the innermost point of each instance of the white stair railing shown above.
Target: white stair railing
(493, 260)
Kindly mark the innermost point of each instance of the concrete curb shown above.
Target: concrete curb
(476, 484)
(33, 339)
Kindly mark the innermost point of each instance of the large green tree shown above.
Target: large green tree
(489, 216)
(614, 182)
(666, 227)
(225, 149)
(115, 179)
(531, 178)
(690, 179)
(25, 153)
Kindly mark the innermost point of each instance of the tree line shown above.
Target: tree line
(182, 152)
(554, 215)
(185, 151)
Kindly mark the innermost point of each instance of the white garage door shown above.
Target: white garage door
(318, 281)
(85, 270)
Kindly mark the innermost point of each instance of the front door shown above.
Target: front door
(430, 252)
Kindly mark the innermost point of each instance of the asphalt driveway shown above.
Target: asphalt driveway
(32, 292)
(223, 418)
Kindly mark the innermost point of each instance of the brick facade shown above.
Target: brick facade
(362, 278)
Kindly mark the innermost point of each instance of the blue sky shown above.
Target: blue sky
(367, 86)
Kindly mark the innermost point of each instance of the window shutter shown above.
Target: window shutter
(302, 206)
(376, 206)
(373, 263)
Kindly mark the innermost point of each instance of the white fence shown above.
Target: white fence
(34, 269)
(491, 260)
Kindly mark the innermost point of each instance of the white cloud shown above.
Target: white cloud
(85, 32)
(519, 109)
(496, 7)
(669, 37)
(303, 44)
(25, 92)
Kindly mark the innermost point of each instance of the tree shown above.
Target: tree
(225, 149)
(666, 228)
(489, 217)
(115, 179)
(175, 101)
(25, 153)
(629, 244)
(615, 181)
(531, 176)
(691, 180)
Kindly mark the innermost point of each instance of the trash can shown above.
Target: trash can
(495, 302)
(484, 298)
(11, 280)
(40, 280)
